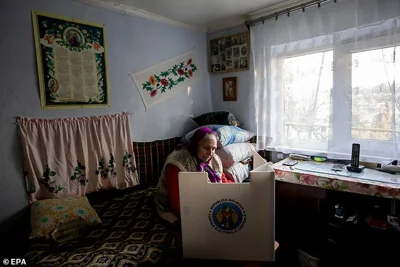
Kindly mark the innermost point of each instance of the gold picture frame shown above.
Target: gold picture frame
(229, 88)
(230, 53)
(71, 61)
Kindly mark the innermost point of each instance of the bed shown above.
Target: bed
(131, 234)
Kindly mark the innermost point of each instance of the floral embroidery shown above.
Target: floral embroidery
(109, 171)
(152, 80)
(79, 174)
(29, 187)
(48, 180)
(169, 78)
(129, 167)
(153, 92)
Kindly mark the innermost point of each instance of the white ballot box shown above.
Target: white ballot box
(229, 221)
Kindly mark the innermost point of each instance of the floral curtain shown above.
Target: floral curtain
(76, 156)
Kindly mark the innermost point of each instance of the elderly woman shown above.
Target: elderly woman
(197, 156)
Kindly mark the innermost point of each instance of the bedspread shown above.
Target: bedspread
(131, 235)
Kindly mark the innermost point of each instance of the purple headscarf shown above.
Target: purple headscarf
(192, 147)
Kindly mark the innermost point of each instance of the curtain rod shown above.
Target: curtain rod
(287, 11)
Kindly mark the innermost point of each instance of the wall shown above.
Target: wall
(132, 44)
(243, 108)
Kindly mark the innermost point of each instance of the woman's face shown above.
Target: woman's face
(206, 148)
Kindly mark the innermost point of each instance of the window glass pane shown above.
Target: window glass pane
(307, 91)
(373, 83)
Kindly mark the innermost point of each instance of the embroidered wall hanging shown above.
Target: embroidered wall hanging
(157, 83)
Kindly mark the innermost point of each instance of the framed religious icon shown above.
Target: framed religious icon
(229, 89)
(230, 53)
(72, 62)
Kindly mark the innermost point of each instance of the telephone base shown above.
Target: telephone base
(352, 168)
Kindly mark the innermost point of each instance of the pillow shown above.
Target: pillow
(69, 231)
(49, 214)
(234, 153)
(217, 117)
(150, 158)
(226, 134)
(238, 172)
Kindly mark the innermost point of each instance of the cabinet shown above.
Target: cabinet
(305, 219)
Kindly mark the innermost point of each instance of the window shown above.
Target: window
(347, 94)
(307, 88)
(373, 88)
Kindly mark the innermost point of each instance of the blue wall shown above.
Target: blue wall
(132, 43)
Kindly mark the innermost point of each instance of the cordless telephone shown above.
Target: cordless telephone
(354, 165)
(355, 155)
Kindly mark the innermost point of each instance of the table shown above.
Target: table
(319, 177)
(370, 182)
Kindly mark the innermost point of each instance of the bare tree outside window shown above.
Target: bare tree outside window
(375, 94)
(307, 92)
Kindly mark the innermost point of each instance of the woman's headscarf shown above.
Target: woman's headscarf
(194, 141)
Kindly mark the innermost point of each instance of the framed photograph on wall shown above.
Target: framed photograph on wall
(229, 89)
(230, 53)
(72, 62)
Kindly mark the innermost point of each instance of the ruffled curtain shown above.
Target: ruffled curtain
(75, 156)
(329, 77)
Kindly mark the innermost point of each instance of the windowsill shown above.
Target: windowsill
(330, 156)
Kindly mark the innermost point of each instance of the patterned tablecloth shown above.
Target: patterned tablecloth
(319, 174)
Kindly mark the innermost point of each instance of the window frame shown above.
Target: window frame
(341, 96)
(341, 143)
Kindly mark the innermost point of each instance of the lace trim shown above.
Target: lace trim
(70, 119)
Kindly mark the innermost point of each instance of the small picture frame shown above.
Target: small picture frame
(229, 89)
(230, 53)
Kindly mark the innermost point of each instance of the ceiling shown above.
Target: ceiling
(203, 15)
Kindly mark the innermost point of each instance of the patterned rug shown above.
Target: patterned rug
(131, 235)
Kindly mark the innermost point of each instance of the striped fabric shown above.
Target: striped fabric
(150, 158)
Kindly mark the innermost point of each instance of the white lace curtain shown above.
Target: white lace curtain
(329, 77)
(76, 156)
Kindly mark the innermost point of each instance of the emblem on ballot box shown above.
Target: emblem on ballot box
(227, 216)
